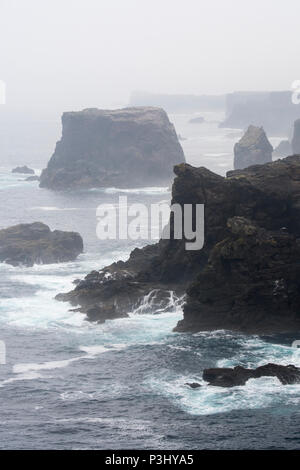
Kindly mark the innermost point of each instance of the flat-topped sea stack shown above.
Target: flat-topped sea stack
(131, 147)
(253, 149)
(296, 138)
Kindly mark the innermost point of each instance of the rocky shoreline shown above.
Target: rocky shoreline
(247, 276)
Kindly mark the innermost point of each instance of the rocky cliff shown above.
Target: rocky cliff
(253, 149)
(131, 147)
(29, 244)
(296, 138)
(274, 111)
(246, 277)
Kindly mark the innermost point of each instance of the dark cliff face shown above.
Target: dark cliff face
(131, 147)
(246, 277)
(253, 149)
(296, 138)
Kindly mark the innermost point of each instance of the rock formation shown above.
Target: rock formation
(33, 178)
(253, 149)
(228, 377)
(296, 138)
(132, 147)
(246, 277)
(274, 111)
(24, 170)
(284, 149)
(29, 244)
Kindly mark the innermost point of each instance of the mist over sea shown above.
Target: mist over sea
(71, 384)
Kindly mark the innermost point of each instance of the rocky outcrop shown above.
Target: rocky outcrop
(296, 138)
(253, 149)
(132, 147)
(237, 376)
(29, 244)
(284, 149)
(23, 169)
(246, 277)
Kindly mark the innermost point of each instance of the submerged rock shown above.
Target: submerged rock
(253, 149)
(29, 244)
(197, 120)
(33, 178)
(23, 169)
(131, 147)
(296, 138)
(284, 149)
(232, 377)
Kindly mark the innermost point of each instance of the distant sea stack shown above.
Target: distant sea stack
(131, 147)
(253, 149)
(29, 244)
(284, 149)
(275, 111)
(296, 138)
(24, 170)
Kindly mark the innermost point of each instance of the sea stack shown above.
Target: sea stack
(131, 147)
(296, 138)
(253, 149)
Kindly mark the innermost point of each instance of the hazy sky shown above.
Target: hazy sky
(70, 54)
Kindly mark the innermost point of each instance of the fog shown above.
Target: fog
(70, 54)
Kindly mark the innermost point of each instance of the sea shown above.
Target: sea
(70, 384)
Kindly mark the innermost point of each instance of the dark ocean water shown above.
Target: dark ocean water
(68, 384)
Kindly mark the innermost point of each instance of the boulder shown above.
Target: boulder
(23, 170)
(131, 147)
(29, 244)
(253, 149)
(296, 138)
(237, 376)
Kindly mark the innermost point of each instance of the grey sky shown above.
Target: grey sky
(70, 54)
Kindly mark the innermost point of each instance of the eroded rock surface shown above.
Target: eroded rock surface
(253, 149)
(29, 244)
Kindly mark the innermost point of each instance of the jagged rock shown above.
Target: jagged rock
(33, 178)
(296, 138)
(132, 147)
(253, 149)
(29, 244)
(232, 377)
(284, 149)
(197, 120)
(23, 169)
(246, 277)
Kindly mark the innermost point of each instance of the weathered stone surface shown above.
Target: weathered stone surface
(296, 138)
(23, 169)
(132, 147)
(237, 376)
(29, 244)
(253, 149)
(246, 277)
